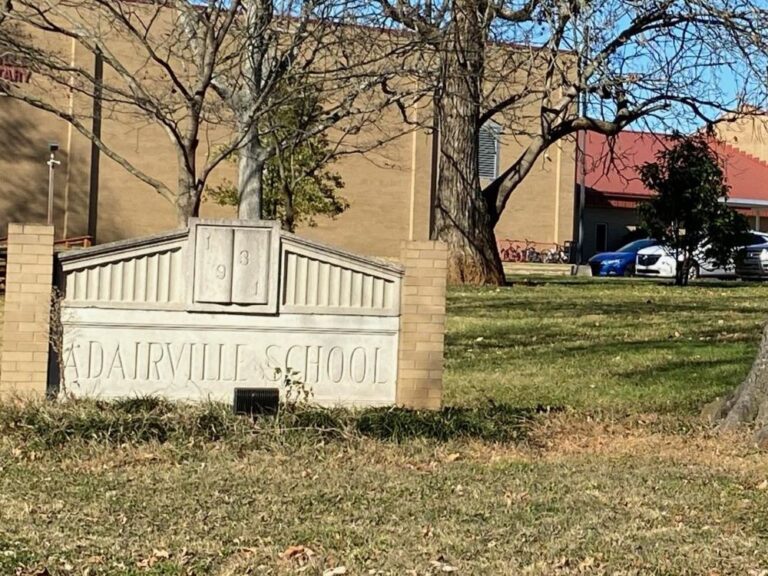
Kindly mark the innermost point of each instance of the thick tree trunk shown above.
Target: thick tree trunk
(462, 217)
(250, 177)
(748, 404)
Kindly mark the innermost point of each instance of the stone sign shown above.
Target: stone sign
(196, 313)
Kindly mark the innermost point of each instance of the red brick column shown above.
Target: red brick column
(422, 325)
(29, 277)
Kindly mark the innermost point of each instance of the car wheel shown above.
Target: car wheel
(629, 271)
(693, 271)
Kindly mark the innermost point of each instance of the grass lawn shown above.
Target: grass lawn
(622, 481)
(616, 345)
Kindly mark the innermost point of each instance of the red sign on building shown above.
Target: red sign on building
(12, 71)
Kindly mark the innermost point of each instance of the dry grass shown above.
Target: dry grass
(586, 499)
(624, 481)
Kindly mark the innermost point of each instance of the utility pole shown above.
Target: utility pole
(93, 186)
(581, 159)
(52, 163)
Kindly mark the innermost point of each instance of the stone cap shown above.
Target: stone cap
(118, 246)
(382, 263)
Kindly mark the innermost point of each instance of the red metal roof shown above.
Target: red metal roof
(611, 166)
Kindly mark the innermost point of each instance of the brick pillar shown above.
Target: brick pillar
(29, 277)
(422, 325)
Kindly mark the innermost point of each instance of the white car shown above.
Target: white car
(659, 261)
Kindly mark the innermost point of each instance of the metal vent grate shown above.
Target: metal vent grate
(250, 401)
(488, 150)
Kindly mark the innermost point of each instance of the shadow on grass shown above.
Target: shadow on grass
(583, 304)
(467, 351)
(619, 281)
(490, 422)
(151, 419)
(704, 342)
(683, 371)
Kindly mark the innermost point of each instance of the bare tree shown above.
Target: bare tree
(189, 66)
(151, 74)
(292, 50)
(548, 69)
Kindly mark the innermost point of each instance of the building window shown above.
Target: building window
(601, 237)
(488, 152)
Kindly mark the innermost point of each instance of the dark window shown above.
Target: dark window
(637, 245)
(488, 152)
(750, 239)
(601, 237)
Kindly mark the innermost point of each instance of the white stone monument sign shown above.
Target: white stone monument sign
(196, 313)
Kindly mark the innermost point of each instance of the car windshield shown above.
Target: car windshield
(637, 245)
(749, 239)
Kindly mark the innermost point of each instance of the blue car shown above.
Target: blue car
(621, 262)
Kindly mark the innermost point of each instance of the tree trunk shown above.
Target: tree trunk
(680, 273)
(188, 198)
(289, 221)
(748, 404)
(250, 178)
(286, 191)
(462, 217)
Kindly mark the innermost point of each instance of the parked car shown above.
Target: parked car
(621, 262)
(659, 261)
(752, 260)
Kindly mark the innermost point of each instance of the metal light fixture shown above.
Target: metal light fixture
(53, 147)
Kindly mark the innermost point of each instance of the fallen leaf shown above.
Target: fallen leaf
(444, 566)
(299, 553)
(336, 571)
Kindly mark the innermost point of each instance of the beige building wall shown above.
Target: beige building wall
(541, 208)
(26, 133)
(388, 188)
(127, 206)
(749, 134)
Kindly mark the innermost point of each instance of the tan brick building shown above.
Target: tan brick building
(389, 189)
